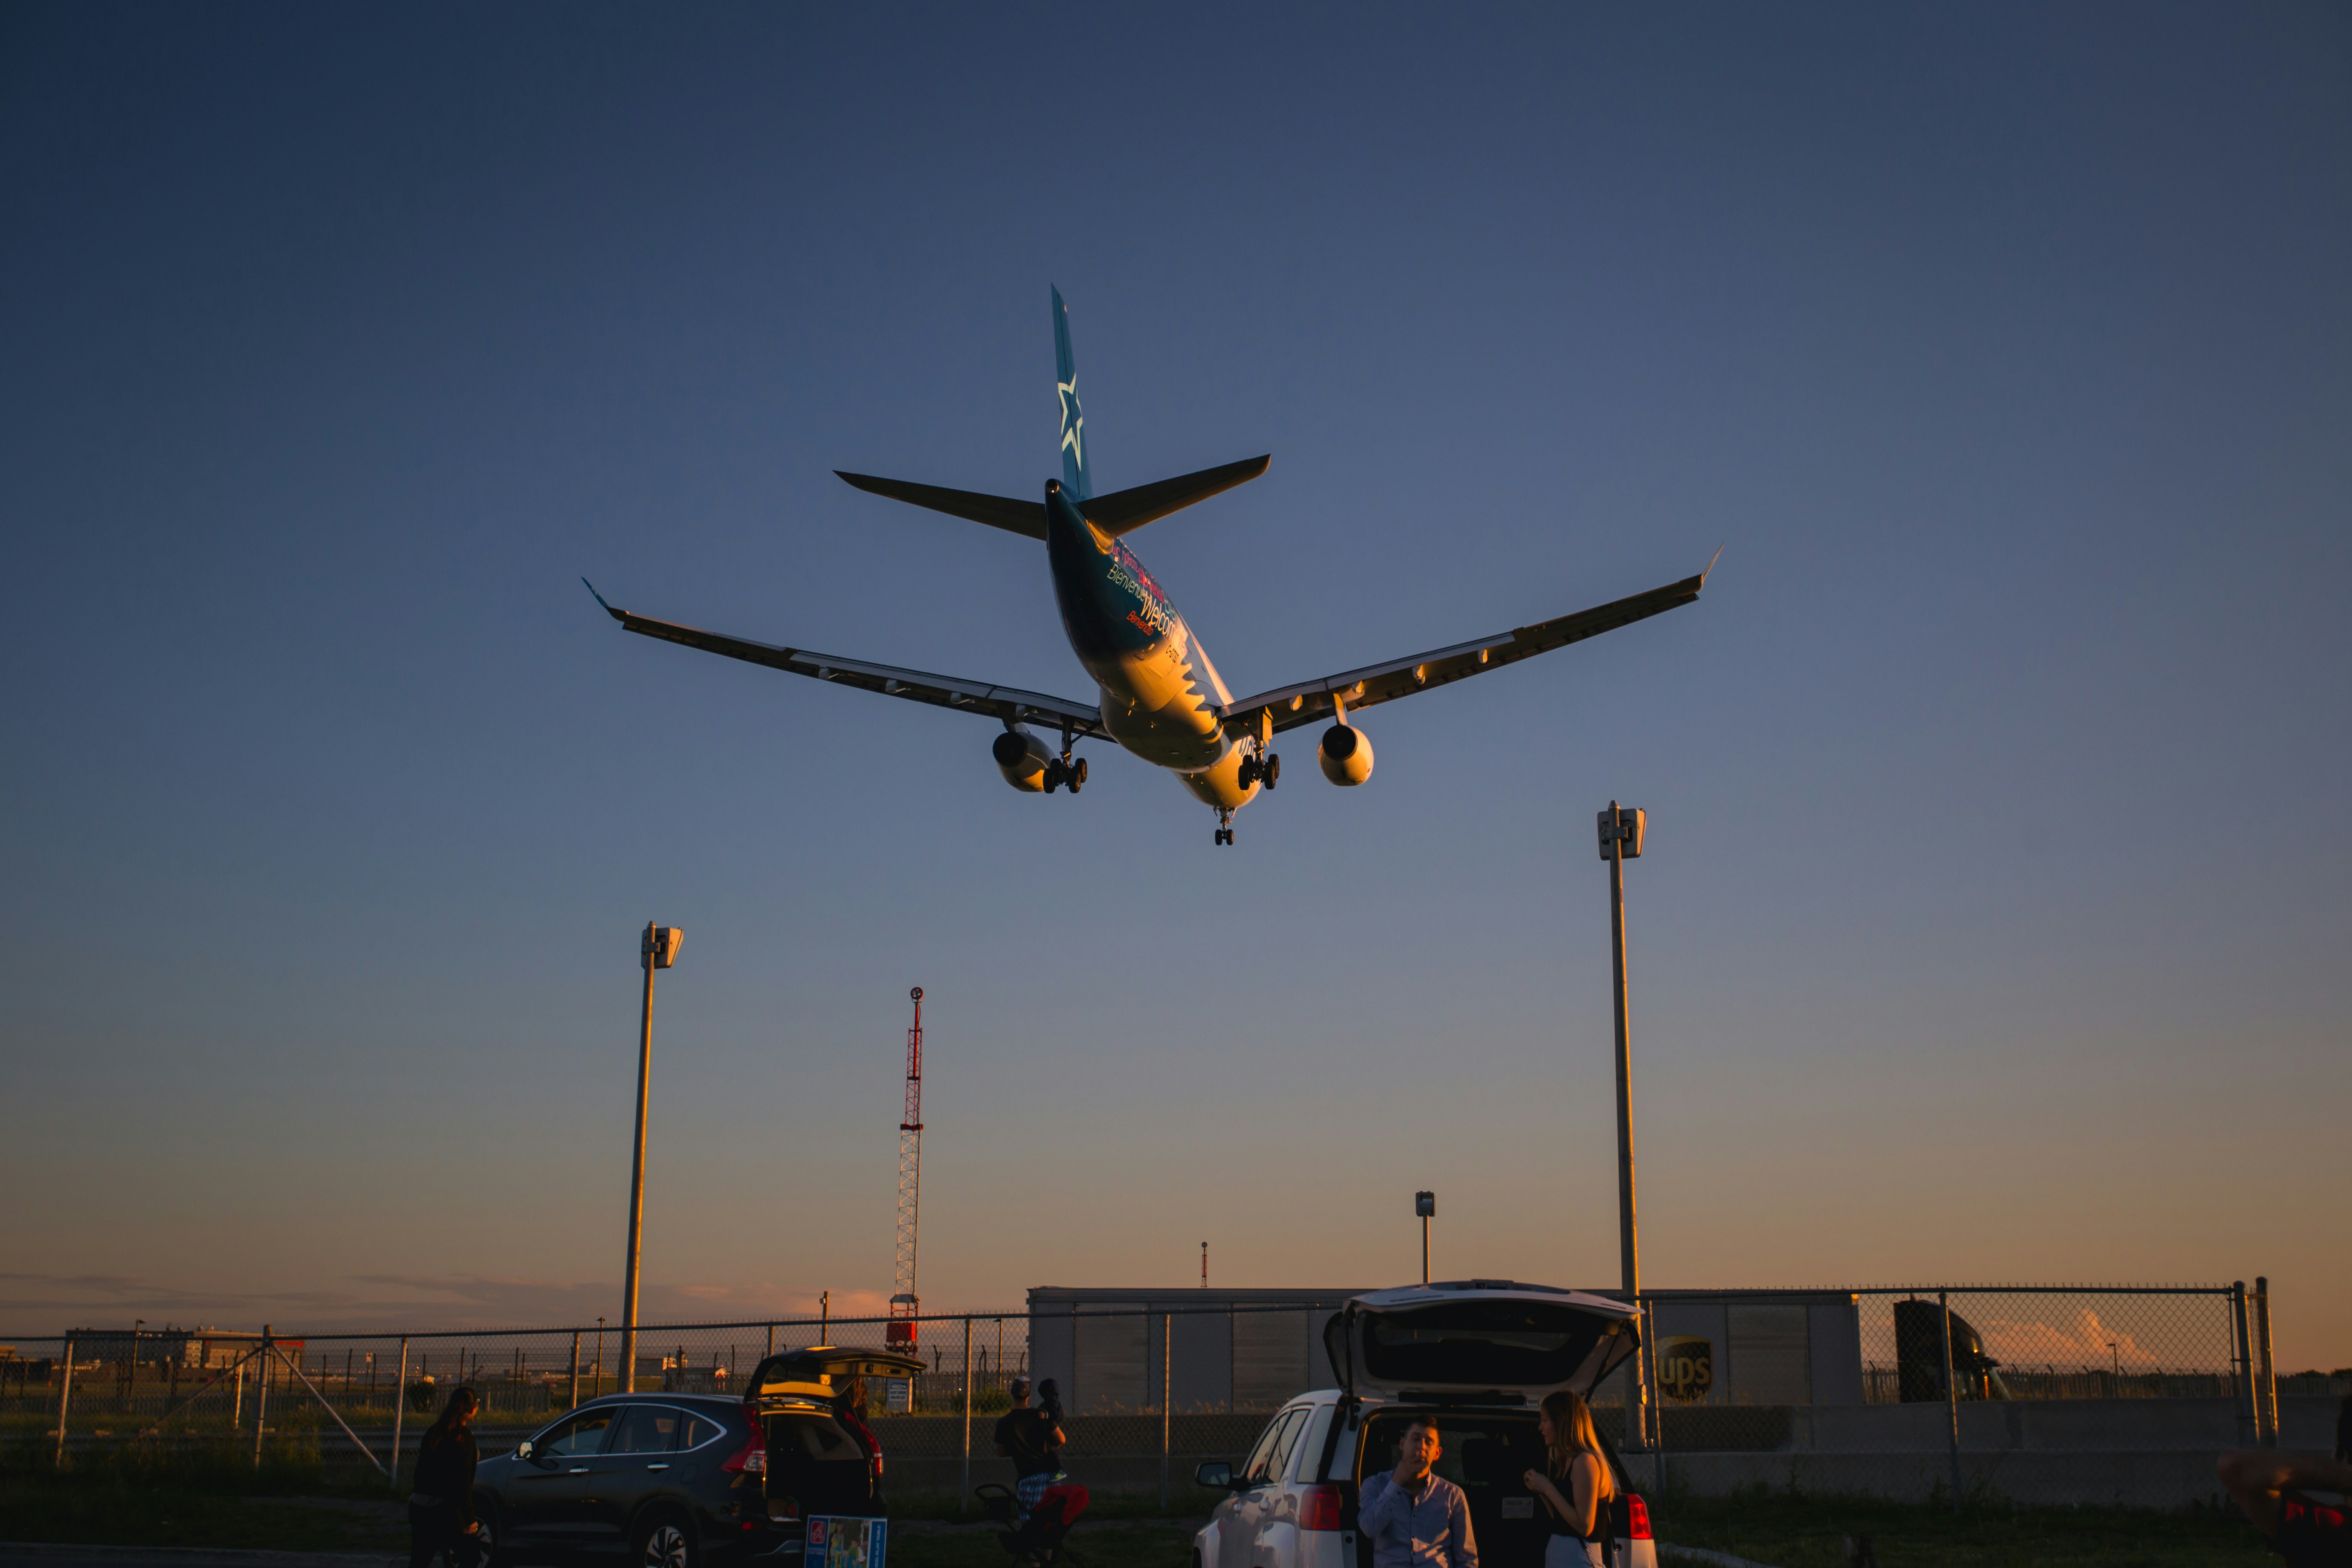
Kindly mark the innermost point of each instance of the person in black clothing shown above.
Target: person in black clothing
(1049, 1405)
(849, 1409)
(1031, 1439)
(441, 1508)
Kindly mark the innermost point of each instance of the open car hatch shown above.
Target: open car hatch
(1478, 1340)
(816, 1374)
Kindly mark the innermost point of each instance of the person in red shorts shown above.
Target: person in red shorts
(2273, 1488)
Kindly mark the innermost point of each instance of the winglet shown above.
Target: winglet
(616, 615)
(1701, 576)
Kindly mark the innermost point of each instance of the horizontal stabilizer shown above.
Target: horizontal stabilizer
(1024, 517)
(1124, 512)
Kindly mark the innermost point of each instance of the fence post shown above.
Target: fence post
(1167, 1398)
(65, 1398)
(261, 1398)
(399, 1410)
(1657, 1410)
(1951, 1393)
(2269, 1385)
(2249, 1416)
(963, 1498)
(576, 1370)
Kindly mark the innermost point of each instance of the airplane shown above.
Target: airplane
(1159, 696)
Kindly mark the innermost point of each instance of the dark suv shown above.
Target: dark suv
(671, 1479)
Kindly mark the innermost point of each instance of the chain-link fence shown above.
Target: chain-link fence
(1153, 1387)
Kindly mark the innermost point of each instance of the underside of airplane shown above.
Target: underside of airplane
(1158, 695)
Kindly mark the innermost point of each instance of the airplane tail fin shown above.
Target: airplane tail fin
(1074, 420)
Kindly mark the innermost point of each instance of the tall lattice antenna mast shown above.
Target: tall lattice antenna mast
(904, 1302)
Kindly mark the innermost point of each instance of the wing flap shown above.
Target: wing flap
(1124, 512)
(1311, 701)
(1023, 517)
(1008, 703)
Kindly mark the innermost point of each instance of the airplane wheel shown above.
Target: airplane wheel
(1248, 772)
(1273, 772)
(1052, 775)
(1078, 775)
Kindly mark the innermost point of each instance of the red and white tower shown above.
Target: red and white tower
(904, 1304)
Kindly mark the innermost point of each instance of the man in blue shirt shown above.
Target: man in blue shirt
(1417, 1519)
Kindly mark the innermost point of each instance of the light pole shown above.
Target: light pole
(1424, 1204)
(657, 949)
(1621, 840)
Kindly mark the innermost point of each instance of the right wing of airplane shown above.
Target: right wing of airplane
(1007, 703)
(1315, 701)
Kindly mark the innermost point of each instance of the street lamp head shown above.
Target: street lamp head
(916, 994)
(1621, 827)
(1424, 1203)
(660, 944)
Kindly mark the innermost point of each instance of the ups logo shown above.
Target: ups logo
(1686, 1368)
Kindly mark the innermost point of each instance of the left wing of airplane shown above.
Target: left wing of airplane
(1007, 703)
(1315, 702)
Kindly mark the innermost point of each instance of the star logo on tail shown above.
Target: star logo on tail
(1074, 420)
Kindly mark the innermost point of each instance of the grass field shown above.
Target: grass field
(293, 1506)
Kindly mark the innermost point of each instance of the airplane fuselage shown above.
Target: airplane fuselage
(1158, 688)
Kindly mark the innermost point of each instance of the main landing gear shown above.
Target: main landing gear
(1062, 771)
(1224, 826)
(1265, 770)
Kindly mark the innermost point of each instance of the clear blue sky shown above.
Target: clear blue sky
(1994, 924)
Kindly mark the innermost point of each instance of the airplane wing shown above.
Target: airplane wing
(1311, 702)
(1004, 702)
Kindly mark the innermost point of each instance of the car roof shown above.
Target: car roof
(713, 1401)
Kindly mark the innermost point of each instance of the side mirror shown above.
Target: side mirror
(522, 1449)
(1216, 1474)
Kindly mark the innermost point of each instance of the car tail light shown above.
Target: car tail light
(1637, 1518)
(1318, 1507)
(752, 1459)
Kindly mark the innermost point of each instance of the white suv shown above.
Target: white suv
(1479, 1354)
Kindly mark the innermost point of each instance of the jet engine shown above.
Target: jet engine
(1344, 755)
(1022, 759)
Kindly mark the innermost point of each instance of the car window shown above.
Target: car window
(582, 1434)
(1266, 1462)
(1277, 1464)
(647, 1429)
(695, 1430)
(1308, 1445)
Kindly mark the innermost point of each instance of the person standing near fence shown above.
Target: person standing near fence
(1033, 1440)
(849, 1409)
(1574, 1484)
(441, 1507)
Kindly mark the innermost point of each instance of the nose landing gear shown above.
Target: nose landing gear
(1224, 826)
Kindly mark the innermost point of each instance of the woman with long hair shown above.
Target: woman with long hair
(849, 1409)
(1575, 1484)
(441, 1505)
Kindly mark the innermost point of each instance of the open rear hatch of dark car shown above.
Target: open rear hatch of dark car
(812, 1464)
(1478, 1341)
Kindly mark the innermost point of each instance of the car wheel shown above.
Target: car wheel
(488, 1551)
(666, 1541)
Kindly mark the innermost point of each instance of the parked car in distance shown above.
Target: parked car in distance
(1479, 1355)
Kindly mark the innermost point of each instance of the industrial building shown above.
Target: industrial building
(1252, 1349)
